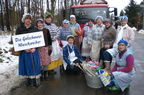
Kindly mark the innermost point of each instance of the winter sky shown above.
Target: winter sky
(120, 4)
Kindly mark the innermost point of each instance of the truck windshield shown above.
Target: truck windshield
(83, 14)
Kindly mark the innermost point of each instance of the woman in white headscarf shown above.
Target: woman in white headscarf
(29, 61)
(94, 38)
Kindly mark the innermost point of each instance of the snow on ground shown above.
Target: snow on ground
(134, 29)
(141, 31)
(8, 66)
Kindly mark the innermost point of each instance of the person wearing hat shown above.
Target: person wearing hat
(56, 52)
(29, 61)
(85, 32)
(64, 32)
(74, 26)
(44, 51)
(108, 38)
(125, 33)
(94, 39)
(124, 70)
(71, 55)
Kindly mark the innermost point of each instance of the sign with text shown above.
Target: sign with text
(27, 41)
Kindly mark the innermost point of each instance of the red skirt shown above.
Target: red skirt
(44, 57)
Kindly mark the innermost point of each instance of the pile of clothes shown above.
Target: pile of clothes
(90, 68)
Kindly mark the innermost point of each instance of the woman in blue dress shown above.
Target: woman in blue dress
(29, 61)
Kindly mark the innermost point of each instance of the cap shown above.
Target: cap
(124, 17)
(123, 41)
(99, 17)
(72, 16)
(65, 21)
(70, 36)
(107, 20)
(39, 20)
(48, 14)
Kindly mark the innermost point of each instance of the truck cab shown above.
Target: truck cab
(90, 9)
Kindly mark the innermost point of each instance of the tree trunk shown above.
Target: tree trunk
(7, 16)
(28, 6)
(13, 15)
(47, 5)
(2, 22)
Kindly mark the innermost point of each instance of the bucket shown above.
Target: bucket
(93, 82)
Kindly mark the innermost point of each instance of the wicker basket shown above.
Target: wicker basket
(16, 53)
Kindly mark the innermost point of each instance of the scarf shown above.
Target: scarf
(47, 23)
(40, 28)
(73, 23)
(120, 34)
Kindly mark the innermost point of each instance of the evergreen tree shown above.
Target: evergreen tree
(122, 13)
(132, 11)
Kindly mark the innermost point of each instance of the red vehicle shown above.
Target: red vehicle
(89, 9)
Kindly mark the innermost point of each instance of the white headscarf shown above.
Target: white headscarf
(24, 16)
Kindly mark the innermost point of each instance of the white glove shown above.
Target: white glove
(72, 64)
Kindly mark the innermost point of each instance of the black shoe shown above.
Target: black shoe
(42, 75)
(36, 82)
(61, 69)
(52, 72)
(46, 75)
(28, 82)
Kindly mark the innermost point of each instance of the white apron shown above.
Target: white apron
(95, 50)
(71, 57)
(85, 47)
(56, 52)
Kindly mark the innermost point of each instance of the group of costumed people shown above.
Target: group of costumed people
(100, 42)
(36, 63)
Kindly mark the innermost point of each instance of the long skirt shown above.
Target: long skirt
(44, 57)
(123, 79)
(55, 64)
(76, 42)
(95, 50)
(85, 48)
(29, 64)
(55, 56)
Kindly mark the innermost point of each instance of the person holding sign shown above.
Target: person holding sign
(29, 61)
(43, 51)
(56, 52)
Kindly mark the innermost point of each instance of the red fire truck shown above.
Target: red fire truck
(89, 9)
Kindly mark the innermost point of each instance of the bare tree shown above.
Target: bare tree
(1, 8)
(47, 5)
(7, 15)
